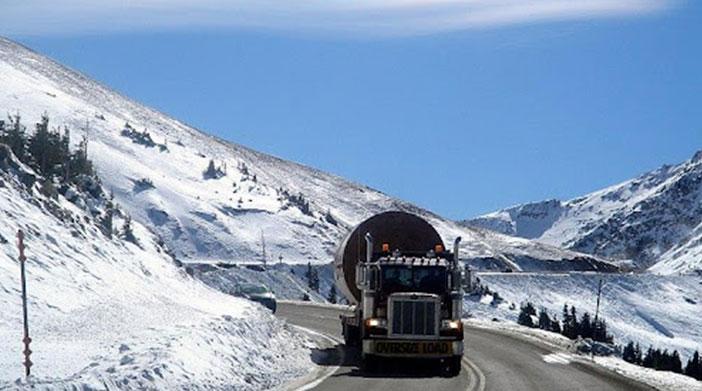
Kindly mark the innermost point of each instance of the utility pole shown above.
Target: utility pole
(599, 294)
(22, 258)
(263, 248)
(597, 314)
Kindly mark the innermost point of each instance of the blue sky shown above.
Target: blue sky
(461, 117)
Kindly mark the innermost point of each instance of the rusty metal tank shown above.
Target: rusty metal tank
(401, 230)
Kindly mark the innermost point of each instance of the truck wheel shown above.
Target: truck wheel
(453, 366)
(369, 364)
(351, 336)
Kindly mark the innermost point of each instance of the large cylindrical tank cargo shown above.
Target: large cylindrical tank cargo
(401, 230)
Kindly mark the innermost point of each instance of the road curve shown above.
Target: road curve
(493, 361)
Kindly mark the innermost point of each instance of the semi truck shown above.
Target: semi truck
(406, 289)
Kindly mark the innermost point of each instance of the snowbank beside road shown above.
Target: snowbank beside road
(105, 313)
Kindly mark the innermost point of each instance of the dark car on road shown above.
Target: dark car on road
(258, 293)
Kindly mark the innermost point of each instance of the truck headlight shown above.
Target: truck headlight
(451, 328)
(451, 324)
(376, 326)
(376, 322)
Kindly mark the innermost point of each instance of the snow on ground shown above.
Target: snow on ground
(664, 311)
(661, 380)
(105, 313)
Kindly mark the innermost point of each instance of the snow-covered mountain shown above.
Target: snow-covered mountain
(107, 313)
(654, 221)
(210, 199)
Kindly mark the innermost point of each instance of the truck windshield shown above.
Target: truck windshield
(428, 279)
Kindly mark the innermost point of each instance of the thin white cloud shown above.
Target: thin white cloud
(358, 17)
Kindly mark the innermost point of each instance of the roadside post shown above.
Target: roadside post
(22, 258)
(597, 314)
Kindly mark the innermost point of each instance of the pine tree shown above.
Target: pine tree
(629, 353)
(566, 322)
(332, 295)
(570, 322)
(694, 366)
(544, 320)
(556, 325)
(525, 315)
(128, 232)
(39, 144)
(79, 163)
(211, 171)
(573, 323)
(314, 285)
(649, 360)
(13, 135)
(638, 354)
(312, 277)
(308, 273)
(106, 221)
(65, 154)
(675, 362)
(585, 326)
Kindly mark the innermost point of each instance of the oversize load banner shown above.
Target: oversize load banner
(413, 348)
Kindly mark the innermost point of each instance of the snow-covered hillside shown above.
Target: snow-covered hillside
(105, 312)
(159, 170)
(663, 311)
(653, 221)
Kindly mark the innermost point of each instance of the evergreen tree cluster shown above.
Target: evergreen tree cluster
(68, 172)
(299, 201)
(571, 327)
(632, 353)
(586, 327)
(47, 150)
(663, 360)
(141, 138)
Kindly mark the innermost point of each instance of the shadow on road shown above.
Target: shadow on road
(349, 359)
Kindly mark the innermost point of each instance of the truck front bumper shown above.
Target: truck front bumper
(412, 348)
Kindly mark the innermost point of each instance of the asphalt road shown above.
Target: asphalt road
(492, 361)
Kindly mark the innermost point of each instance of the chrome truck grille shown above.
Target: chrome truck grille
(414, 315)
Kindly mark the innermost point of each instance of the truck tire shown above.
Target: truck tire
(453, 366)
(369, 363)
(352, 336)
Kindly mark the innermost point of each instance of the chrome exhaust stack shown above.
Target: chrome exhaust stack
(369, 247)
(456, 249)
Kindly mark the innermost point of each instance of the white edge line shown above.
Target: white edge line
(330, 371)
(469, 365)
